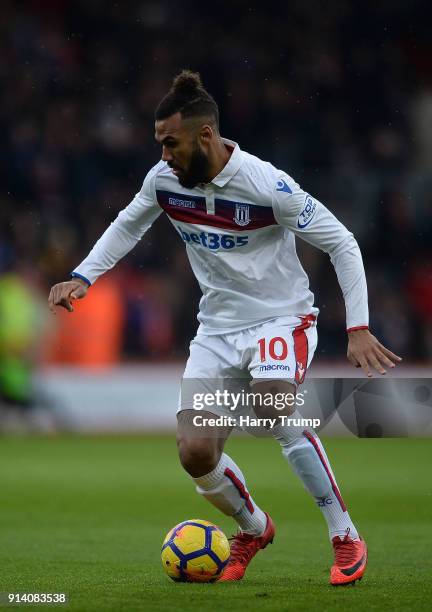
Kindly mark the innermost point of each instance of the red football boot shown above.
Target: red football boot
(244, 547)
(350, 560)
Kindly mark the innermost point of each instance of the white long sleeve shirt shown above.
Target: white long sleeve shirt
(239, 231)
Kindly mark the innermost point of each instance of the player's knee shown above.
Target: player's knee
(198, 456)
(282, 395)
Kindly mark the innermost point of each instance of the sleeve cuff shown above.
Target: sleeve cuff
(76, 275)
(358, 328)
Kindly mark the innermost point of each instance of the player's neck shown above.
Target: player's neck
(219, 156)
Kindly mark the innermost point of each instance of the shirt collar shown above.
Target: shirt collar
(232, 166)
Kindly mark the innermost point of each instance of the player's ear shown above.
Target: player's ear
(206, 133)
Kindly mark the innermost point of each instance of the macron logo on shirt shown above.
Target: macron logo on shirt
(283, 186)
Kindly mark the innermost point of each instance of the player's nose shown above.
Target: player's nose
(166, 155)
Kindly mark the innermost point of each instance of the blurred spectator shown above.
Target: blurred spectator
(19, 325)
(22, 336)
(93, 336)
(420, 295)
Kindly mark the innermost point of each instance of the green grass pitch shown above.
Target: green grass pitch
(87, 516)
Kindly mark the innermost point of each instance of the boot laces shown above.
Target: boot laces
(345, 550)
(241, 551)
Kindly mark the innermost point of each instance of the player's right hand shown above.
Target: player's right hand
(62, 294)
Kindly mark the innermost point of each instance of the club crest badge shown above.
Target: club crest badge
(242, 214)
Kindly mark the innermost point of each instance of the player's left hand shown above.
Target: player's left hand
(366, 352)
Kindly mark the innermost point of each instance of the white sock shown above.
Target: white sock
(306, 455)
(225, 488)
(332, 506)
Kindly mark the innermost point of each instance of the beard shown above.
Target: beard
(197, 172)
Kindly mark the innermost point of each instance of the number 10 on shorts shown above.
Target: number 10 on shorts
(277, 348)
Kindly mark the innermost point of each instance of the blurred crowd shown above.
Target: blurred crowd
(338, 94)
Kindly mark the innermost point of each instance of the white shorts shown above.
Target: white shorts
(280, 349)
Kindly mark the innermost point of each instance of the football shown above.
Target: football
(195, 551)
